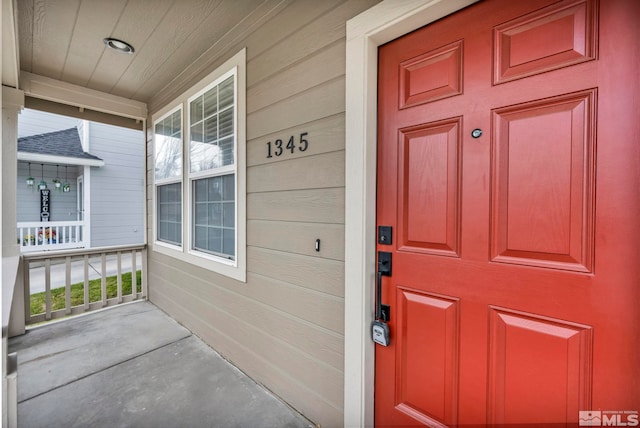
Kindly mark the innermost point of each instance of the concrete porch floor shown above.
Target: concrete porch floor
(134, 366)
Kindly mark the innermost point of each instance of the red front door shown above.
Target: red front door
(509, 170)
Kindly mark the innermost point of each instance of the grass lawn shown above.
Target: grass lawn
(77, 293)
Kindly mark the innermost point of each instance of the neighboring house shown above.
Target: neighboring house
(497, 146)
(99, 200)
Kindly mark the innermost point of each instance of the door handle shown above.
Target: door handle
(383, 312)
(379, 328)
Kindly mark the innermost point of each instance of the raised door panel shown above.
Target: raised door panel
(429, 188)
(539, 368)
(434, 75)
(426, 381)
(543, 189)
(554, 37)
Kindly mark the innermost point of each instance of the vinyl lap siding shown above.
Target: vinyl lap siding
(117, 198)
(285, 326)
(63, 206)
(34, 122)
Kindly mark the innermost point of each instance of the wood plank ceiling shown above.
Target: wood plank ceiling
(63, 40)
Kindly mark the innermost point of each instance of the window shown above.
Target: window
(206, 168)
(212, 169)
(168, 178)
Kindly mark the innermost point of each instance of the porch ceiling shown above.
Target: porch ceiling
(63, 40)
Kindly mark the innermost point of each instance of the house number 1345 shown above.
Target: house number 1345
(278, 147)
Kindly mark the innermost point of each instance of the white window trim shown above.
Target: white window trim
(171, 180)
(236, 269)
(378, 25)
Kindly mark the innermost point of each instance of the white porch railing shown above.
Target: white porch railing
(54, 235)
(53, 274)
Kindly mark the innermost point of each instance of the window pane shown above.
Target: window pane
(211, 130)
(169, 208)
(200, 214)
(229, 215)
(214, 225)
(168, 147)
(197, 135)
(215, 214)
(225, 92)
(226, 123)
(226, 151)
(229, 241)
(229, 187)
(196, 110)
(215, 189)
(200, 237)
(211, 102)
(214, 243)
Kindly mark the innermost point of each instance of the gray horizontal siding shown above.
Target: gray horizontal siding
(285, 326)
(118, 191)
(63, 205)
(34, 122)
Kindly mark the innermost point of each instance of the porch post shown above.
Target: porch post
(12, 104)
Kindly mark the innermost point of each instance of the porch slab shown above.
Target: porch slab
(133, 366)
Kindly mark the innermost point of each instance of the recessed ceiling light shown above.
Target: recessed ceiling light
(118, 45)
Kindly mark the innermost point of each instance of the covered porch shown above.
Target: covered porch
(86, 372)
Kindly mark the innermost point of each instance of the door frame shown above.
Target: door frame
(380, 24)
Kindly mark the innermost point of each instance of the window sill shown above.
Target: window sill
(229, 268)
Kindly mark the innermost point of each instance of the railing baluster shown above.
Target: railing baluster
(67, 286)
(86, 282)
(119, 276)
(134, 277)
(47, 289)
(27, 291)
(143, 274)
(104, 279)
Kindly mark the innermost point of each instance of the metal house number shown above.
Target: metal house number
(278, 147)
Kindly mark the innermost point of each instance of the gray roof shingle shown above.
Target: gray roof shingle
(60, 143)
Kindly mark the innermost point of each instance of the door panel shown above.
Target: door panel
(429, 159)
(543, 169)
(431, 76)
(551, 355)
(515, 269)
(555, 37)
(426, 388)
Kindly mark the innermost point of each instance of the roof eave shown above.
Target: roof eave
(58, 160)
